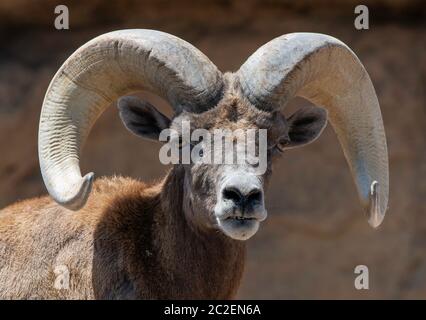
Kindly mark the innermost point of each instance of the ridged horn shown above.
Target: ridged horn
(325, 71)
(102, 70)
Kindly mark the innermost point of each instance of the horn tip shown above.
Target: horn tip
(78, 201)
(375, 217)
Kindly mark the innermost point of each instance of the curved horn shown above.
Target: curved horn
(105, 68)
(325, 71)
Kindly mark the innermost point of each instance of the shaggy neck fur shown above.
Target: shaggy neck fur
(205, 263)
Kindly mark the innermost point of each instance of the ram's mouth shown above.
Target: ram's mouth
(239, 227)
(240, 218)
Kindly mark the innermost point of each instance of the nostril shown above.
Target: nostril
(254, 196)
(232, 194)
(235, 195)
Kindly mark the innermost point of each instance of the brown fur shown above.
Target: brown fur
(131, 241)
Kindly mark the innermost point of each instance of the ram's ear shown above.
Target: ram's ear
(306, 125)
(142, 118)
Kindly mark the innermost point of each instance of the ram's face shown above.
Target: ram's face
(231, 148)
(226, 154)
(239, 142)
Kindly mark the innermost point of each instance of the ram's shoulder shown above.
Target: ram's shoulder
(118, 195)
(117, 185)
(108, 193)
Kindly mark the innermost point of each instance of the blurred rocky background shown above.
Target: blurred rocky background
(316, 232)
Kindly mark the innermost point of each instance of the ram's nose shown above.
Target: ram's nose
(240, 207)
(243, 198)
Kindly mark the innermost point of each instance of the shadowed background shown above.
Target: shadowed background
(316, 232)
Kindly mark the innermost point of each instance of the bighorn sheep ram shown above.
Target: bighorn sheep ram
(180, 238)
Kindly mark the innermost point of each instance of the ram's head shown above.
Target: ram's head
(317, 67)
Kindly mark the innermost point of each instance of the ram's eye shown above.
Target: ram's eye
(201, 153)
